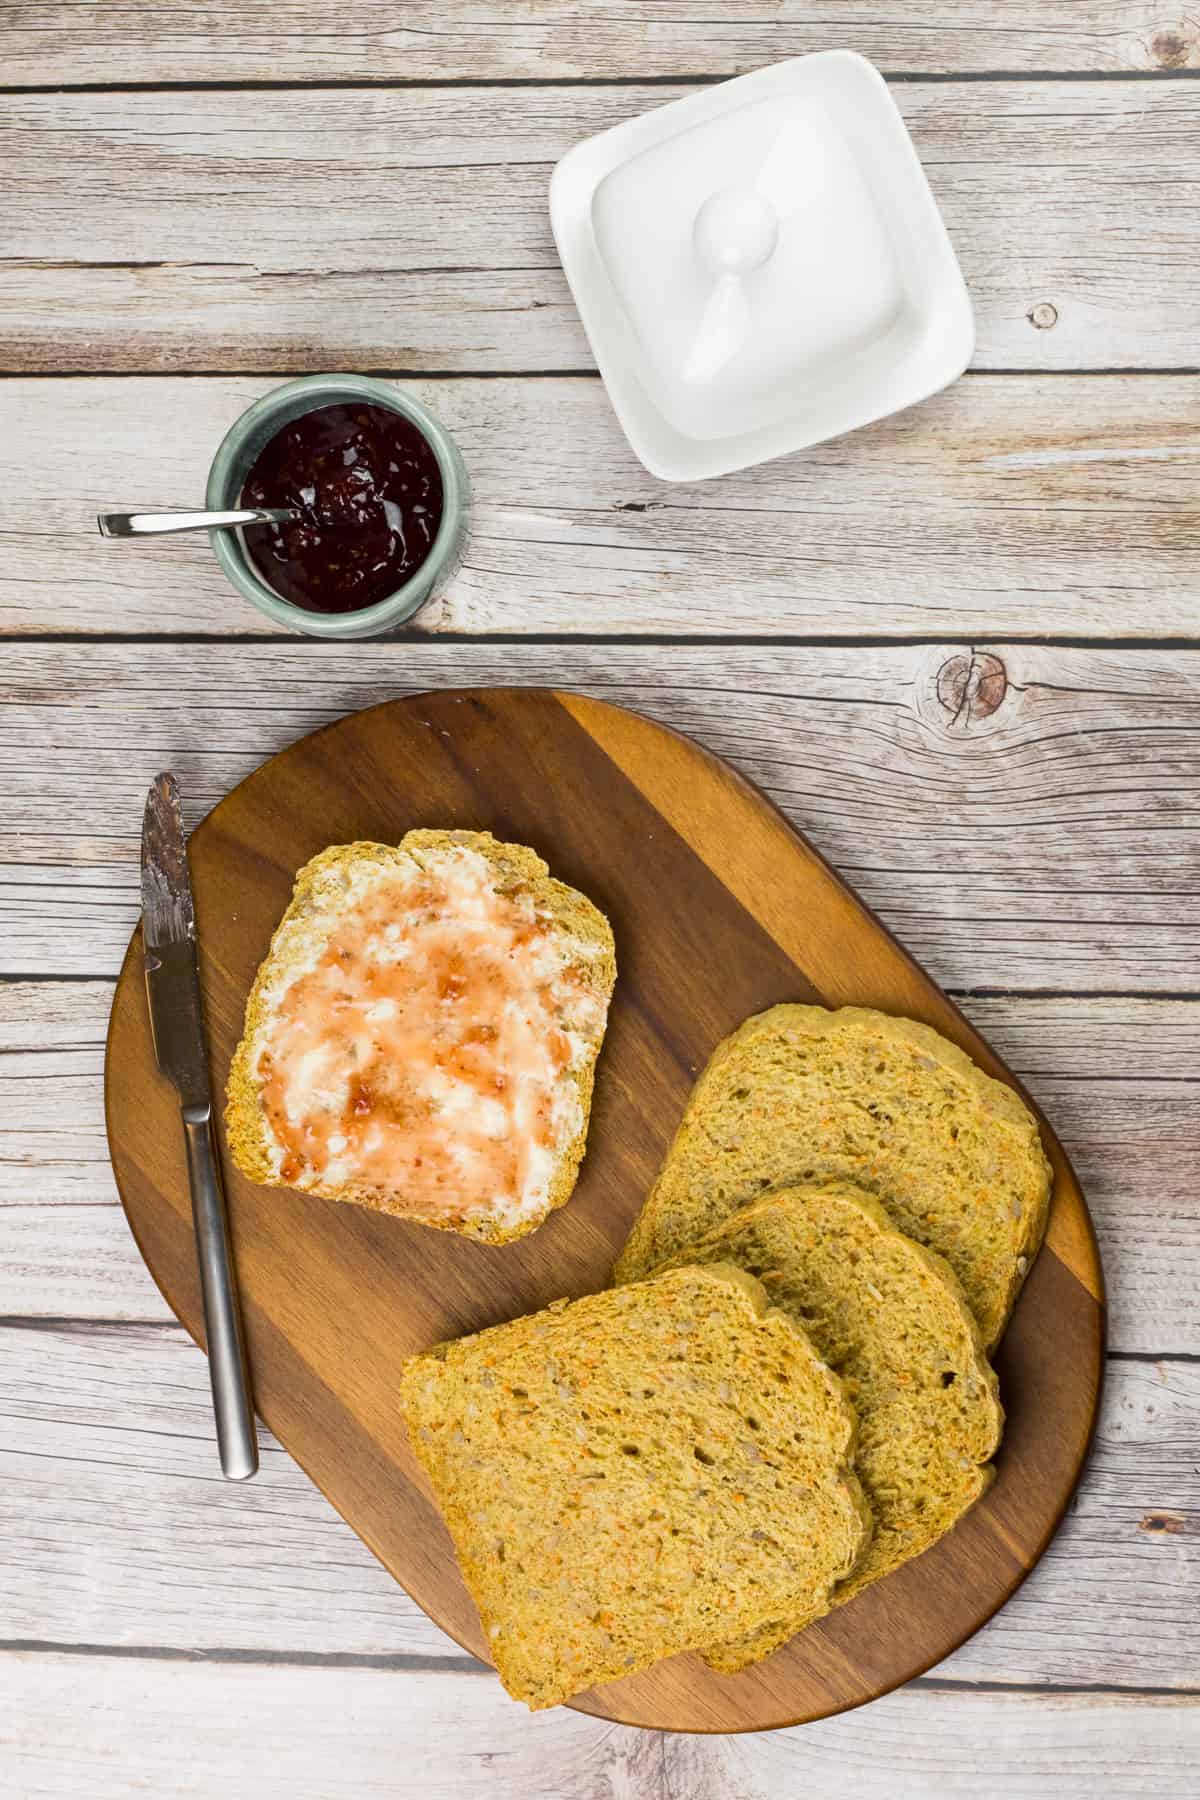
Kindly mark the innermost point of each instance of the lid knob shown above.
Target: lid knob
(735, 230)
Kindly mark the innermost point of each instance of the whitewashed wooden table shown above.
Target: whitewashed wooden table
(962, 649)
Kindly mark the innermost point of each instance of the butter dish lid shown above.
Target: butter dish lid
(760, 266)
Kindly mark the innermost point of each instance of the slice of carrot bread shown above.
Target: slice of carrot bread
(651, 1469)
(890, 1318)
(800, 1094)
(422, 1035)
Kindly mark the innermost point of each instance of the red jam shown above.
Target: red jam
(422, 1055)
(368, 490)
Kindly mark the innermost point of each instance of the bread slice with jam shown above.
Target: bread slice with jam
(422, 1035)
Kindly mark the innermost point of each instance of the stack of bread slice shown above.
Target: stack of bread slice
(799, 1093)
(890, 1317)
(786, 1395)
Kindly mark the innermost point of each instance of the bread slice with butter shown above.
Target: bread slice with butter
(891, 1319)
(422, 1035)
(648, 1470)
(800, 1094)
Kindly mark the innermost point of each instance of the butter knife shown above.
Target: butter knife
(177, 1022)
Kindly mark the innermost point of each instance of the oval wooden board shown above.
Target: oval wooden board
(719, 909)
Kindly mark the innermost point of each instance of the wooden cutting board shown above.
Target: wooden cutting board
(719, 909)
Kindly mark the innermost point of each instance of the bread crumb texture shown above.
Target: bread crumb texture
(891, 1319)
(800, 1094)
(653, 1469)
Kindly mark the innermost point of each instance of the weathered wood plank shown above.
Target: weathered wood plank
(374, 40)
(413, 230)
(118, 1530)
(1120, 1079)
(1048, 843)
(79, 1260)
(134, 1727)
(52, 1145)
(1023, 505)
(1103, 1066)
(74, 1261)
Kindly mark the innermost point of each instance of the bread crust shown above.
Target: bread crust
(311, 916)
(662, 1226)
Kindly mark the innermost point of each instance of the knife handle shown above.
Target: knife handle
(236, 1438)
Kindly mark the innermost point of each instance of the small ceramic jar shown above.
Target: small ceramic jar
(262, 421)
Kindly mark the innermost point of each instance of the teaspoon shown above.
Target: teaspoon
(151, 524)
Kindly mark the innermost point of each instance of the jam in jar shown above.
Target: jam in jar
(367, 490)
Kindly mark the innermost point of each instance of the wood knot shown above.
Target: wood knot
(1043, 316)
(1172, 1523)
(1170, 50)
(970, 686)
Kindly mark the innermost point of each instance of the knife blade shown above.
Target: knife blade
(169, 937)
(177, 1026)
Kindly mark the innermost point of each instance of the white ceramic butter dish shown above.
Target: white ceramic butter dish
(760, 266)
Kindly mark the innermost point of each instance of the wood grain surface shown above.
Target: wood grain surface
(1042, 837)
(415, 233)
(1037, 853)
(109, 1507)
(719, 909)
(1009, 505)
(457, 1736)
(52, 41)
(1120, 1077)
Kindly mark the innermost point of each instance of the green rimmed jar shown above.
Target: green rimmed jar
(239, 449)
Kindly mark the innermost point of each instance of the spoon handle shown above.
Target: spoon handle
(150, 524)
